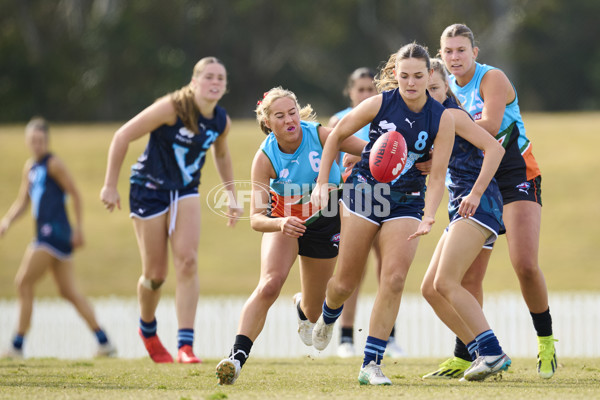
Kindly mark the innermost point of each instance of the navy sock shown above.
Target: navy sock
(542, 323)
(301, 314)
(488, 344)
(347, 335)
(101, 336)
(18, 341)
(185, 336)
(461, 350)
(244, 344)
(473, 349)
(374, 350)
(148, 328)
(330, 315)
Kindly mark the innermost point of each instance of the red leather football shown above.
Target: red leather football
(388, 156)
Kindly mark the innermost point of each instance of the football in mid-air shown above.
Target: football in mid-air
(388, 157)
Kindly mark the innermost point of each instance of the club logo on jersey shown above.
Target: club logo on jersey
(524, 187)
(335, 238)
(387, 126)
(46, 230)
(184, 135)
(361, 178)
(284, 173)
(186, 132)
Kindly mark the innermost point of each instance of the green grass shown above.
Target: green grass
(564, 145)
(305, 378)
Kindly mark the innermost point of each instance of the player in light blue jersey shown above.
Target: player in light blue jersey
(46, 182)
(163, 197)
(475, 211)
(490, 97)
(284, 172)
(398, 211)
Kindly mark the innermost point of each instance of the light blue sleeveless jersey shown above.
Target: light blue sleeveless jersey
(298, 171)
(518, 164)
(470, 98)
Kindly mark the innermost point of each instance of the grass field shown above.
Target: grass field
(304, 378)
(229, 258)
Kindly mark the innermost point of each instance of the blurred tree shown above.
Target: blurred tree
(77, 60)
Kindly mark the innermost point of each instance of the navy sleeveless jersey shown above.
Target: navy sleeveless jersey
(466, 159)
(463, 170)
(175, 155)
(47, 202)
(419, 131)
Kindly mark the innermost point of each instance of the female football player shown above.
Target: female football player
(283, 174)
(46, 182)
(360, 86)
(398, 211)
(475, 210)
(490, 97)
(163, 196)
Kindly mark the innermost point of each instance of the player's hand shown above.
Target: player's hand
(233, 215)
(77, 239)
(110, 198)
(349, 161)
(425, 166)
(424, 228)
(292, 226)
(4, 224)
(320, 195)
(469, 205)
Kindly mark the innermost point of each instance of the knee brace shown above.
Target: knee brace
(150, 284)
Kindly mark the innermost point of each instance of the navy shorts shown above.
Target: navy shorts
(55, 237)
(379, 203)
(147, 203)
(530, 190)
(321, 238)
(488, 214)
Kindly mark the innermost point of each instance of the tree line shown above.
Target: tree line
(102, 60)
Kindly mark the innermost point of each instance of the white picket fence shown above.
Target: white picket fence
(57, 330)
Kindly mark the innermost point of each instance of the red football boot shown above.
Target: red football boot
(156, 350)
(186, 355)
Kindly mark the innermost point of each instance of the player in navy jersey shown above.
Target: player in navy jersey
(360, 86)
(399, 211)
(489, 96)
(46, 182)
(284, 171)
(163, 196)
(475, 211)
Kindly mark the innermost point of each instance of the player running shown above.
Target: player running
(283, 174)
(46, 183)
